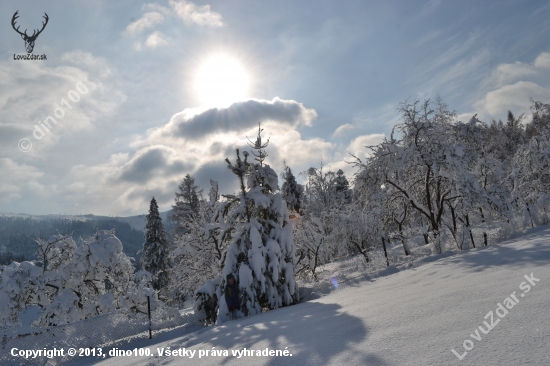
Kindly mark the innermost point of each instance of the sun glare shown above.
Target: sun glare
(221, 80)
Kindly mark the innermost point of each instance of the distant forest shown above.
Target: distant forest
(17, 243)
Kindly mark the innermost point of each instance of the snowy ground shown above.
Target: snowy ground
(412, 317)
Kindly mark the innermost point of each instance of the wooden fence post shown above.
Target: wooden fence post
(149, 313)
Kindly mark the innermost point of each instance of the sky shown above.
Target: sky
(139, 94)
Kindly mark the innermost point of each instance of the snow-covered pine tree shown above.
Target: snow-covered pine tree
(155, 251)
(291, 190)
(341, 185)
(186, 204)
(262, 252)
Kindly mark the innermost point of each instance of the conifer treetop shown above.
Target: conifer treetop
(261, 155)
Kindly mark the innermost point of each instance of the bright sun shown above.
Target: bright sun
(221, 80)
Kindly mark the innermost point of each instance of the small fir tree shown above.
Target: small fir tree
(291, 191)
(155, 253)
(186, 205)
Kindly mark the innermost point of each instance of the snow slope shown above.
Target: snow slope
(412, 317)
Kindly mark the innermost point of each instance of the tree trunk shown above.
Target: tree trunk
(385, 252)
(453, 230)
(405, 248)
(425, 238)
(454, 218)
(530, 216)
(482, 216)
(470, 230)
(361, 250)
(403, 239)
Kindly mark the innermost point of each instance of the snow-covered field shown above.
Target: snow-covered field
(413, 317)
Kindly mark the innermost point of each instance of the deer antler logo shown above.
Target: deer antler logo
(29, 40)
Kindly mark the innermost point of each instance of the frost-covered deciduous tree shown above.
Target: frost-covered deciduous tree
(427, 167)
(261, 250)
(155, 252)
(489, 198)
(92, 278)
(197, 254)
(529, 177)
(540, 121)
(314, 243)
(320, 191)
(313, 230)
(318, 230)
(396, 216)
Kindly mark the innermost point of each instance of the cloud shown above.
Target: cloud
(509, 96)
(300, 153)
(508, 73)
(240, 116)
(141, 196)
(148, 20)
(193, 14)
(458, 51)
(125, 183)
(156, 8)
(31, 92)
(342, 129)
(216, 170)
(16, 178)
(149, 163)
(427, 10)
(85, 60)
(358, 145)
(196, 142)
(449, 79)
(543, 61)
(189, 12)
(465, 117)
(511, 86)
(451, 61)
(155, 39)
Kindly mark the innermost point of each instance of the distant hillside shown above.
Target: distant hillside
(18, 230)
(138, 222)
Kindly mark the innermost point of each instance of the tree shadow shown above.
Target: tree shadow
(315, 334)
(536, 252)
